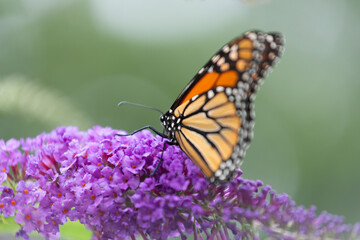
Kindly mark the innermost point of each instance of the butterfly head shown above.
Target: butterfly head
(171, 123)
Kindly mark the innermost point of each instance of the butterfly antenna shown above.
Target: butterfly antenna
(139, 105)
(143, 128)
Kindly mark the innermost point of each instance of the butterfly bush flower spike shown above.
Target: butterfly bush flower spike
(105, 182)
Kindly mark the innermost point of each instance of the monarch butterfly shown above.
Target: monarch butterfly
(212, 119)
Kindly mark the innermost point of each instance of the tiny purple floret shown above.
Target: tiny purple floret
(106, 182)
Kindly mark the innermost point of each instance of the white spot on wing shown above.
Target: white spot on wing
(269, 38)
(228, 91)
(220, 89)
(215, 58)
(226, 49)
(252, 36)
(194, 97)
(211, 94)
(221, 61)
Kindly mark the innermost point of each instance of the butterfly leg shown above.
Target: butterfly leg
(143, 128)
(161, 157)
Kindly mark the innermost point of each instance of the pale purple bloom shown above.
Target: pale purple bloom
(106, 182)
(30, 218)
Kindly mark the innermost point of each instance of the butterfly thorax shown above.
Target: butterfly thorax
(171, 124)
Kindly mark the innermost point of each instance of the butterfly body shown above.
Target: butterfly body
(212, 120)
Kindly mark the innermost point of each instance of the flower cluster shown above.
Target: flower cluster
(106, 182)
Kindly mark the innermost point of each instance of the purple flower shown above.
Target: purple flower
(106, 182)
(30, 218)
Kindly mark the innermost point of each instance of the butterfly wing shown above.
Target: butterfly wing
(216, 107)
(210, 131)
(247, 58)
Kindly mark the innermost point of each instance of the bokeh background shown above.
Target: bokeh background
(65, 62)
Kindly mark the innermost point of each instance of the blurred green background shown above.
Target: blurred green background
(68, 62)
